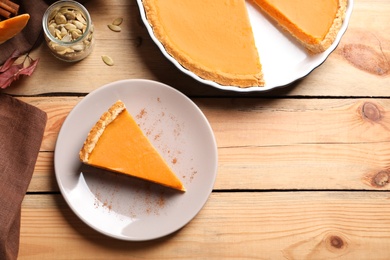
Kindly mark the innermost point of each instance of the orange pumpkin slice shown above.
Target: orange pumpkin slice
(12, 26)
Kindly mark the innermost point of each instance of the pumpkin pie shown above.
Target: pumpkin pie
(211, 38)
(214, 38)
(313, 24)
(116, 143)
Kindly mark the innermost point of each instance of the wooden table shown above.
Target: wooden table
(303, 171)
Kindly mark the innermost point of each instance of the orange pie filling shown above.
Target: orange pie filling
(119, 145)
(314, 25)
(213, 39)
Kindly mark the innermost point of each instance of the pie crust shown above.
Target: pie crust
(98, 129)
(333, 30)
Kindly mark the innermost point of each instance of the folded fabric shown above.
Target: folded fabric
(21, 133)
(31, 36)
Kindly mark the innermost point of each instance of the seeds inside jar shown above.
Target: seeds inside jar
(65, 21)
(68, 24)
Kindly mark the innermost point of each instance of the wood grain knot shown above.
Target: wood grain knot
(367, 58)
(371, 111)
(336, 242)
(381, 179)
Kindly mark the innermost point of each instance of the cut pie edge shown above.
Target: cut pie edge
(311, 44)
(223, 78)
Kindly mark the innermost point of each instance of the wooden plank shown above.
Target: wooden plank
(43, 179)
(319, 167)
(359, 66)
(264, 122)
(270, 225)
(273, 144)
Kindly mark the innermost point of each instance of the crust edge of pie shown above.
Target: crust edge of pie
(98, 129)
(313, 45)
(330, 37)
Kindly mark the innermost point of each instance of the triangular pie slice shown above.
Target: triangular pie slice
(315, 24)
(116, 143)
(212, 39)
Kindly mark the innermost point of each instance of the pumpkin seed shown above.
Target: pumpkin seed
(59, 48)
(75, 34)
(67, 50)
(81, 18)
(63, 31)
(70, 15)
(66, 38)
(114, 28)
(58, 34)
(118, 21)
(78, 47)
(78, 24)
(70, 26)
(60, 18)
(108, 60)
(52, 29)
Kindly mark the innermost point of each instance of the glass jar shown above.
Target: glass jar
(68, 30)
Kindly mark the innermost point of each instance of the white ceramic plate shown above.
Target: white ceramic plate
(123, 207)
(284, 60)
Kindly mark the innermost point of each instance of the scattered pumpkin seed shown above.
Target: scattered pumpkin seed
(118, 21)
(108, 60)
(114, 28)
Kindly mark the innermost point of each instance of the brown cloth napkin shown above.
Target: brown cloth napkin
(31, 36)
(21, 133)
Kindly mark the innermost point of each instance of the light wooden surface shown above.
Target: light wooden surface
(303, 171)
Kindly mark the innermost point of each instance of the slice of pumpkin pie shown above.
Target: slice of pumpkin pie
(116, 143)
(314, 24)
